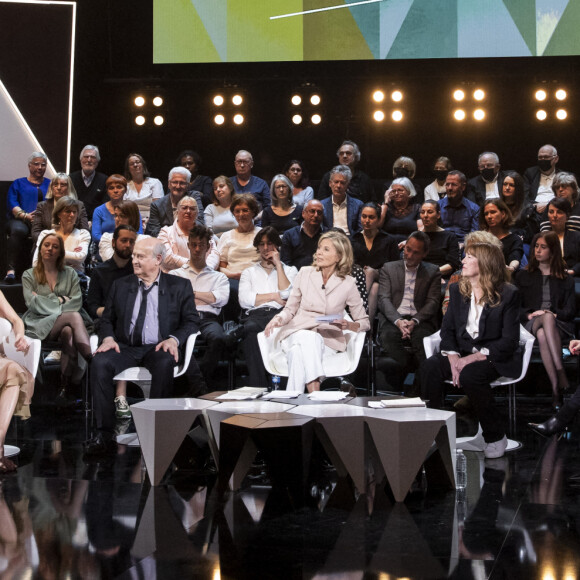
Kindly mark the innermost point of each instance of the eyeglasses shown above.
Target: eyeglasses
(242, 162)
(178, 183)
(188, 208)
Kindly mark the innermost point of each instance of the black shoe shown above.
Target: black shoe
(548, 428)
(100, 445)
(233, 335)
(347, 387)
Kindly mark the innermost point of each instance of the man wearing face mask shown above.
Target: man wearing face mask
(406, 167)
(538, 180)
(436, 190)
(360, 185)
(489, 182)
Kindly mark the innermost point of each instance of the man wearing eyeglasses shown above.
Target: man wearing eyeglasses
(538, 180)
(164, 210)
(245, 182)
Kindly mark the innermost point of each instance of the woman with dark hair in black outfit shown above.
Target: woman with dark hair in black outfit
(525, 219)
(372, 247)
(548, 306)
(296, 172)
(444, 246)
(558, 211)
(202, 183)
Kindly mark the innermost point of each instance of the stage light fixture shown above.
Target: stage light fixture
(315, 100)
(397, 96)
(218, 100)
(397, 116)
(541, 95)
(238, 119)
(316, 119)
(378, 96)
(140, 120)
(158, 101)
(561, 94)
(296, 100)
(379, 116)
(459, 115)
(541, 115)
(237, 100)
(561, 114)
(297, 119)
(479, 94)
(479, 114)
(458, 95)
(159, 120)
(219, 119)
(139, 101)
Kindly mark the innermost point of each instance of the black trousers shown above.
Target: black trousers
(105, 365)
(254, 323)
(475, 380)
(18, 247)
(213, 334)
(569, 410)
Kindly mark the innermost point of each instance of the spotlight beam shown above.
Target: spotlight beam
(324, 9)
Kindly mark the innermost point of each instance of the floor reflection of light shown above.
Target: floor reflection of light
(569, 572)
(216, 573)
(548, 573)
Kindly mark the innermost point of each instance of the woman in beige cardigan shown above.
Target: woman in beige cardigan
(324, 289)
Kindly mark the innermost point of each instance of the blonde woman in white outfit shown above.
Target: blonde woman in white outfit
(325, 288)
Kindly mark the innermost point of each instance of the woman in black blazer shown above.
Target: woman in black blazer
(548, 306)
(479, 337)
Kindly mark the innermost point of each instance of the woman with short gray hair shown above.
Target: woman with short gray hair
(283, 214)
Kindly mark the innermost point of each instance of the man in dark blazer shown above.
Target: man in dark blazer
(164, 211)
(409, 300)
(90, 185)
(341, 210)
(538, 179)
(147, 320)
(489, 183)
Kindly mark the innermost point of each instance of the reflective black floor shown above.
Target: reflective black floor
(63, 518)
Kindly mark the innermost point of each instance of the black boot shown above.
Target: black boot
(549, 427)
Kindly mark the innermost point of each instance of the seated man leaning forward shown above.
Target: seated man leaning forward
(147, 319)
(324, 289)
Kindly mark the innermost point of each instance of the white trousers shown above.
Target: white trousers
(305, 350)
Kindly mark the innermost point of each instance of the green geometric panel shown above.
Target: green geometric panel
(393, 15)
(213, 15)
(367, 18)
(420, 37)
(253, 37)
(179, 34)
(486, 29)
(523, 13)
(566, 40)
(548, 14)
(333, 34)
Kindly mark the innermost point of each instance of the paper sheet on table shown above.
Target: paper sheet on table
(329, 318)
(397, 403)
(281, 394)
(327, 395)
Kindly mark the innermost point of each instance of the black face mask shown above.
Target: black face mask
(488, 174)
(401, 172)
(440, 174)
(545, 164)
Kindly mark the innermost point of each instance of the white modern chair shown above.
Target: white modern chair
(142, 378)
(29, 361)
(335, 365)
(432, 344)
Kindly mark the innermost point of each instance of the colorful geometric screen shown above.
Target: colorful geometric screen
(193, 31)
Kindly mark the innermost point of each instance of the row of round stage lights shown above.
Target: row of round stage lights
(140, 101)
(313, 101)
(380, 98)
(220, 101)
(541, 95)
(479, 113)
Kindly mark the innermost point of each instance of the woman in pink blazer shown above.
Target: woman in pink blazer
(324, 289)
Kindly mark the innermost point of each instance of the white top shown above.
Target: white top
(491, 190)
(151, 189)
(77, 239)
(219, 219)
(304, 196)
(434, 191)
(545, 193)
(237, 250)
(256, 280)
(106, 245)
(177, 255)
(340, 216)
(207, 280)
